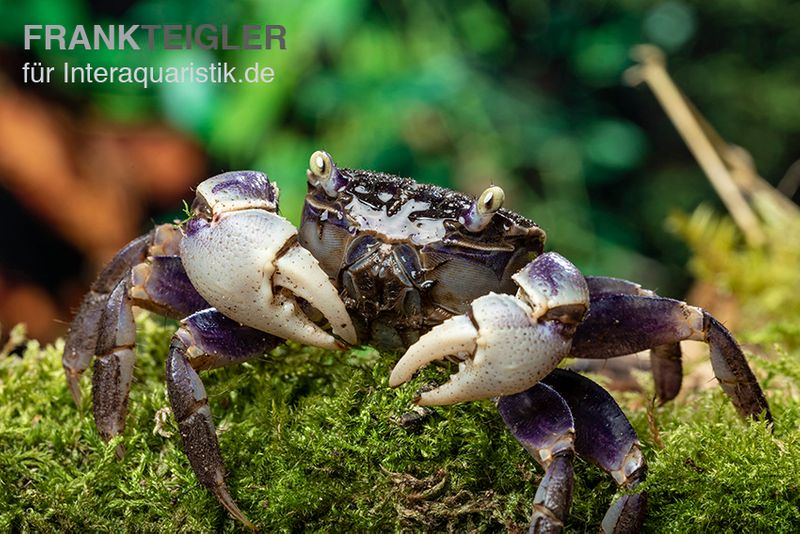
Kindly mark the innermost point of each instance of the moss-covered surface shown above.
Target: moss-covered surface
(310, 443)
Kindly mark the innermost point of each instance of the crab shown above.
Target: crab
(386, 261)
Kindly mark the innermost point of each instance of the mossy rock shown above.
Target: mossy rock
(312, 442)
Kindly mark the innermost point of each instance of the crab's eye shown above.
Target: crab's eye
(490, 200)
(480, 212)
(320, 165)
(322, 173)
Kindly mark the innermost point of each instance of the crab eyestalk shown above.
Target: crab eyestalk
(480, 213)
(253, 280)
(322, 172)
(505, 344)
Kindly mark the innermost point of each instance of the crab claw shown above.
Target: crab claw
(299, 272)
(244, 258)
(504, 344)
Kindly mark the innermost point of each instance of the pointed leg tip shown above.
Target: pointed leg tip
(74, 387)
(221, 492)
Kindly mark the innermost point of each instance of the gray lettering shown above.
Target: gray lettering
(107, 38)
(171, 33)
(54, 33)
(79, 37)
(206, 43)
(251, 33)
(276, 32)
(126, 36)
(29, 36)
(151, 34)
(225, 45)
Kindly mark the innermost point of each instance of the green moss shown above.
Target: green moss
(310, 443)
(311, 440)
(765, 281)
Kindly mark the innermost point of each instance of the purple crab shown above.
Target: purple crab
(386, 261)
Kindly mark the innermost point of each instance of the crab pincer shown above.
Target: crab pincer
(504, 344)
(253, 280)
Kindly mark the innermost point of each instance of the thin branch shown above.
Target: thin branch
(708, 148)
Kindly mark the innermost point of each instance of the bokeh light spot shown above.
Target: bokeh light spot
(669, 25)
(614, 144)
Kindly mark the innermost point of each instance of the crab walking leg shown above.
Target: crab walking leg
(158, 284)
(666, 366)
(542, 423)
(206, 340)
(105, 327)
(624, 324)
(113, 367)
(96, 320)
(665, 360)
(506, 344)
(81, 342)
(604, 436)
(603, 286)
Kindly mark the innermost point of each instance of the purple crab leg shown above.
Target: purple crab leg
(113, 367)
(81, 342)
(667, 369)
(158, 284)
(156, 281)
(542, 423)
(623, 324)
(603, 286)
(161, 285)
(604, 436)
(665, 360)
(207, 340)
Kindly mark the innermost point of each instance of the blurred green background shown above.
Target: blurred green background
(524, 94)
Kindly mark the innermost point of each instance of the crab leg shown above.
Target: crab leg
(90, 321)
(79, 348)
(207, 340)
(160, 284)
(623, 324)
(157, 283)
(665, 360)
(113, 368)
(604, 436)
(541, 421)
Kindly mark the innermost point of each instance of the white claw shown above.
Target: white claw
(454, 336)
(232, 263)
(507, 344)
(298, 271)
(512, 352)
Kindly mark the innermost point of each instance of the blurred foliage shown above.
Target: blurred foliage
(310, 443)
(525, 94)
(764, 281)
